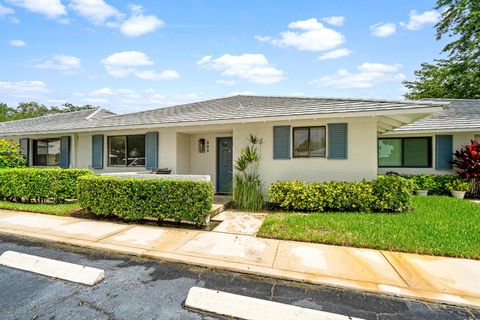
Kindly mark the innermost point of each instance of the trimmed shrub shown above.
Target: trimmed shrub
(386, 194)
(10, 155)
(438, 184)
(39, 185)
(135, 199)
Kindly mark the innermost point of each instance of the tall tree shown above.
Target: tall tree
(5, 112)
(461, 21)
(457, 75)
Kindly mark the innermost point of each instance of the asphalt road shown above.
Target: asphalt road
(145, 289)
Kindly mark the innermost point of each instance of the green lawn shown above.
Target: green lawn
(54, 209)
(438, 226)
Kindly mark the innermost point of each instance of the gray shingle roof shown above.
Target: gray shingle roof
(457, 114)
(54, 122)
(222, 109)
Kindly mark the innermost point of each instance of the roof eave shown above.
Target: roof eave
(401, 111)
(432, 131)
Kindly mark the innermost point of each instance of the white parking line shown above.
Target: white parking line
(242, 307)
(52, 268)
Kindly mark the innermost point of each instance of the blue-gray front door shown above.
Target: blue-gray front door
(224, 164)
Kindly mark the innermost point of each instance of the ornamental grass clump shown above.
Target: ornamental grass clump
(247, 190)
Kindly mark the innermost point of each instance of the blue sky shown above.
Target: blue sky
(130, 56)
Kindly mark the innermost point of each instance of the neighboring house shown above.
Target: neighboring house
(427, 145)
(305, 138)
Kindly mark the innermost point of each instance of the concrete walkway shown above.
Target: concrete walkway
(446, 280)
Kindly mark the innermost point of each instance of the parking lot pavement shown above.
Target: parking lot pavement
(146, 289)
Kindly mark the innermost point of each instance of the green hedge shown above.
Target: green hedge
(385, 194)
(438, 182)
(40, 185)
(135, 199)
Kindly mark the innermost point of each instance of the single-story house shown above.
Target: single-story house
(305, 138)
(426, 145)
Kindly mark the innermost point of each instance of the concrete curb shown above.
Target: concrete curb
(243, 307)
(52, 268)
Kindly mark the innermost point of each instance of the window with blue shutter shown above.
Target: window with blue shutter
(338, 141)
(151, 150)
(97, 151)
(65, 152)
(281, 142)
(25, 149)
(443, 152)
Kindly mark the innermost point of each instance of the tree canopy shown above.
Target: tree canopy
(33, 109)
(457, 76)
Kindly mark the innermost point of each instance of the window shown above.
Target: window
(46, 152)
(405, 152)
(309, 142)
(126, 151)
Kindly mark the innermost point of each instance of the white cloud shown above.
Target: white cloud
(109, 91)
(382, 30)
(17, 43)
(96, 11)
(131, 63)
(49, 8)
(227, 83)
(152, 75)
(263, 38)
(129, 100)
(23, 89)
(312, 35)
(334, 54)
(334, 20)
(95, 101)
(61, 62)
(4, 11)
(251, 67)
(418, 20)
(138, 25)
(368, 75)
(241, 93)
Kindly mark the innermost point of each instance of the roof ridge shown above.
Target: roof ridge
(405, 101)
(282, 97)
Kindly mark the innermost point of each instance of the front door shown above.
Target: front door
(224, 164)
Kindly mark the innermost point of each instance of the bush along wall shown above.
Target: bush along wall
(135, 199)
(39, 185)
(438, 184)
(385, 194)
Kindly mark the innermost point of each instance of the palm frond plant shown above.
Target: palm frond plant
(247, 191)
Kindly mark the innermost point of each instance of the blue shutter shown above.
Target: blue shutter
(25, 149)
(97, 151)
(443, 152)
(64, 152)
(151, 150)
(338, 141)
(281, 142)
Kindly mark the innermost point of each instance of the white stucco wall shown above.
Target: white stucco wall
(459, 139)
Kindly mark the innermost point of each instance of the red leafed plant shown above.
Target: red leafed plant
(467, 161)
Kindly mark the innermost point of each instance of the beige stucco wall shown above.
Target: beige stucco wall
(183, 153)
(361, 162)
(178, 150)
(459, 139)
(205, 163)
